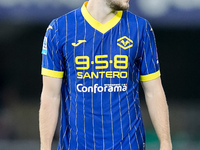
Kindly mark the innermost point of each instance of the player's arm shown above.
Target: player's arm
(158, 110)
(49, 110)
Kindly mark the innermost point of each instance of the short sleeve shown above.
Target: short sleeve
(149, 67)
(52, 60)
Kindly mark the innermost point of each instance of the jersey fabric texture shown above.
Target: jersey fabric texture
(101, 65)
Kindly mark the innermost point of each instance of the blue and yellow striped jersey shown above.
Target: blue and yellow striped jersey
(101, 65)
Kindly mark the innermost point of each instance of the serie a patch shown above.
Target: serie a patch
(44, 48)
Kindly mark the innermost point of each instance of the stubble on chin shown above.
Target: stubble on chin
(117, 5)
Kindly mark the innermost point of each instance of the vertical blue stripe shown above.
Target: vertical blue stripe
(83, 92)
(76, 82)
(69, 84)
(111, 93)
(128, 80)
(92, 99)
(102, 98)
(119, 94)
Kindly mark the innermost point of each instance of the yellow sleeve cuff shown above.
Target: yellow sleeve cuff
(150, 76)
(52, 73)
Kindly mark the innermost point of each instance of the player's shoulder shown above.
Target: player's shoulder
(61, 22)
(140, 20)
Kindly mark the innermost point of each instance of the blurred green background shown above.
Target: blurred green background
(21, 37)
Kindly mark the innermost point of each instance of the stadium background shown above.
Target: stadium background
(22, 26)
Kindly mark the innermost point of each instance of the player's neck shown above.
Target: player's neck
(99, 10)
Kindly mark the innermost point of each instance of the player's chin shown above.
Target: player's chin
(125, 7)
(126, 4)
(122, 7)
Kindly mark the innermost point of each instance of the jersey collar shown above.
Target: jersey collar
(103, 28)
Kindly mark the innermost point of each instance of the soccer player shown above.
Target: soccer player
(93, 60)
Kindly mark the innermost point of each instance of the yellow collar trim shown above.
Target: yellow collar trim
(103, 28)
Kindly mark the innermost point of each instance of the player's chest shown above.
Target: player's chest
(95, 45)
